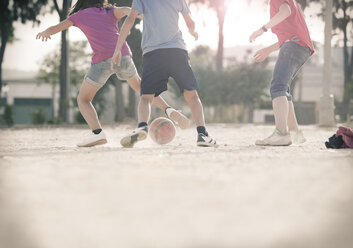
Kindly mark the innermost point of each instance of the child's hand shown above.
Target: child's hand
(256, 34)
(44, 35)
(115, 59)
(261, 55)
(195, 34)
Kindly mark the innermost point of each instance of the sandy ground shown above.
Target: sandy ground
(55, 195)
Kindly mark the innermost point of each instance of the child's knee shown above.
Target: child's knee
(147, 98)
(82, 99)
(190, 94)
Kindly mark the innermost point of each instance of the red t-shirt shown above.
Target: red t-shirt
(293, 27)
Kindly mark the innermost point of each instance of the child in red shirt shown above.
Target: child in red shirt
(295, 45)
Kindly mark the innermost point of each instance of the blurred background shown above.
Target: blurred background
(40, 81)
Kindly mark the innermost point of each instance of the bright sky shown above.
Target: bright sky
(241, 20)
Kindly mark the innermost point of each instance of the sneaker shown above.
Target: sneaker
(275, 139)
(93, 140)
(137, 135)
(178, 118)
(205, 141)
(298, 137)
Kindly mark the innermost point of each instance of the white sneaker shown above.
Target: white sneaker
(178, 118)
(275, 139)
(137, 135)
(298, 137)
(93, 140)
(205, 141)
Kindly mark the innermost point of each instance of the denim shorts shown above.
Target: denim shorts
(290, 59)
(160, 64)
(99, 73)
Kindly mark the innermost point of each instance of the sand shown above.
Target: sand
(55, 195)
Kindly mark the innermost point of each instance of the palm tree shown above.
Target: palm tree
(220, 7)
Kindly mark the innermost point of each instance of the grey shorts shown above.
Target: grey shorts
(99, 73)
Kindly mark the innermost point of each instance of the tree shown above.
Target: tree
(64, 64)
(342, 14)
(241, 83)
(134, 41)
(342, 19)
(79, 62)
(12, 11)
(220, 7)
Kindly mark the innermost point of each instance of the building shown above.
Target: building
(27, 96)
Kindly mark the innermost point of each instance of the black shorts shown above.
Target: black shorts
(161, 64)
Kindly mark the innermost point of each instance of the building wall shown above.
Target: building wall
(27, 97)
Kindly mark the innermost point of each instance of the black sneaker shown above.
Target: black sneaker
(137, 135)
(205, 141)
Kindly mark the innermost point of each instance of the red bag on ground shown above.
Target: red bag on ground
(347, 136)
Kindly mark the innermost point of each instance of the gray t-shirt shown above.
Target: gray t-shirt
(160, 23)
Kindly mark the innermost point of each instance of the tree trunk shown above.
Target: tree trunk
(0, 77)
(64, 78)
(119, 103)
(4, 39)
(346, 63)
(220, 15)
(132, 103)
(64, 104)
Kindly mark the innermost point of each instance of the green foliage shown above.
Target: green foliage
(240, 83)
(55, 121)
(79, 118)
(38, 116)
(79, 64)
(8, 115)
(12, 11)
(243, 84)
(202, 57)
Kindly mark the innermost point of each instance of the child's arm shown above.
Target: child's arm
(125, 30)
(120, 12)
(283, 13)
(45, 35)
(191, 26)
(263, 53)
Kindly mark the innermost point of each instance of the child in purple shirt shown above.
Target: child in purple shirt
(98, 21)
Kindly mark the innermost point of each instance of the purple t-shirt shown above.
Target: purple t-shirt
(100, 27)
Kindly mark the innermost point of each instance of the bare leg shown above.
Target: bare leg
(84, 100)
(135, 84)
(176, 116)
(292, 120)
(193, 100)
(144, 108)
(140, 133)
(280, 110)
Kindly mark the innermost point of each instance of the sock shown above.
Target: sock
(142, 124)
(202, 129)
(97, 131)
